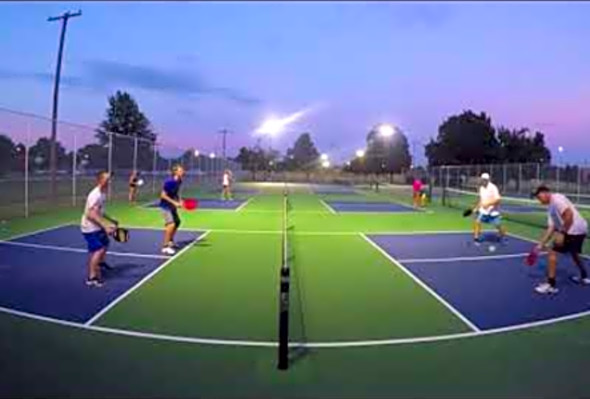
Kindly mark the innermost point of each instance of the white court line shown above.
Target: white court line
(465, 258)
(124, 295)
(536, 242)
(239, 208)
(328, 207)
(317, 344)
(320, 344)
(450, 307)
(77, 250)
(44, 230)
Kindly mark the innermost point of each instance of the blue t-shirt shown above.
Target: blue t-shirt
(171, 188)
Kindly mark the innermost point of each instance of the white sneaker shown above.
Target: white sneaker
(168, 251)
(580, 280)
(546, 288)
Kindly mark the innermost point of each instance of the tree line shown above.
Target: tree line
(466, 138)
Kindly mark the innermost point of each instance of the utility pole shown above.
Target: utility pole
(53, 151)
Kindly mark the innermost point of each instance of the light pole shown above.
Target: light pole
(386, 131)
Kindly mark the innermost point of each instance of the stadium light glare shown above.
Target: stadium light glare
(386, 130)
(212, 155)
(271, 126)
(360, 153)
(326, 164)
(197, 153)
(324, 157)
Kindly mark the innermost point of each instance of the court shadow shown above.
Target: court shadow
(122, 270)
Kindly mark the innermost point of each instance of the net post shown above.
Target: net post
(110, 163)
(27, 144)
(154, 165)
(283, 352)
(74, 167)
(579, 183)
(519, 178)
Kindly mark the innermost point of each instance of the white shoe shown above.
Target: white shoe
(168, 251)
(546, 288)
(580, 280)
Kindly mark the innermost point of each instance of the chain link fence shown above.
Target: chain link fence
(518, 180)
(26, 179)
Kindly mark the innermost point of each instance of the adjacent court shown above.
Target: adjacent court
(369, 207)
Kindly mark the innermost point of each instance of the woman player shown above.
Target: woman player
(227, 180)
(417, 192)
(133, 186)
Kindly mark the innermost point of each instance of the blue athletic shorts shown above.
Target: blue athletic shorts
(96, 240)
(494, 220)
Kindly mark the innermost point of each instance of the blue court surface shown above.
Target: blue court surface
(388, 207)
(207, 203)
(44, 273)
(491, 289)
(517, 208)
(321, 189)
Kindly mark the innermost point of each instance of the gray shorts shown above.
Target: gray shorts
(170, 216)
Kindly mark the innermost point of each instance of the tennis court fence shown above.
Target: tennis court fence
(518, 180)
(28, 186)
(457, 188)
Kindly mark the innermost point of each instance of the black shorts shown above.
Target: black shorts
(572, 244)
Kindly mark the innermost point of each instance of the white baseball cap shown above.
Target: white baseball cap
(485, 176)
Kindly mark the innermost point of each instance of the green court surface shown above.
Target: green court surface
(206, 324)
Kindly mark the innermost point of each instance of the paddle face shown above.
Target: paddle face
(121, 235)
(532, 257)
(190, 204)
(467, 212)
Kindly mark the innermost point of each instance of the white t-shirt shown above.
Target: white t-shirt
(557, 205)
(226, 179)
(96, 199)
(488, 194)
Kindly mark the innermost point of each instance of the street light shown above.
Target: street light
(212, 155)
(386, 130)
(324, 157)
(197, 153)
(326, 164)
(271, 127)
(360, 153)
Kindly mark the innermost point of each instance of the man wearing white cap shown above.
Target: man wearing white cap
(487, 208)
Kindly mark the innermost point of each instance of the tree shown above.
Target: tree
(7, 154)
(39, 155)
(303, 155)
(387, 154)
(124, 118)
(467, 138)
(252, 160)
(520, 146)
(93, 156)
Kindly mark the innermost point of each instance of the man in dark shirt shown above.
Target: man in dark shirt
(169, 204)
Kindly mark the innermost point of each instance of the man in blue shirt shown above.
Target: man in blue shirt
(169, 204)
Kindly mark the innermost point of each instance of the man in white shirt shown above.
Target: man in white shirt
(96, 225)
(568, 229)
(227, 180)
(487, 208)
